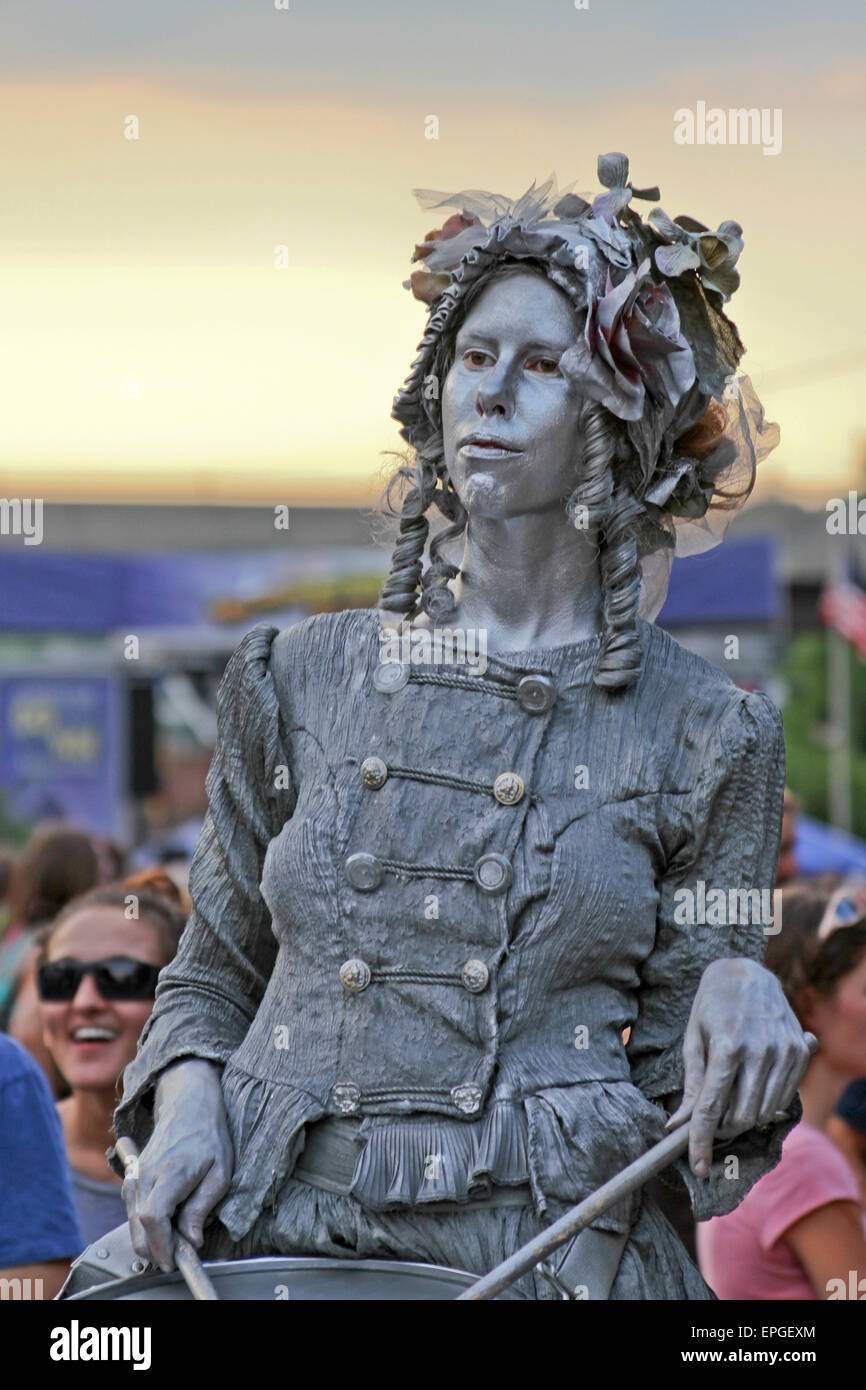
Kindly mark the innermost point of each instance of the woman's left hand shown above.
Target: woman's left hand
(745, 1055)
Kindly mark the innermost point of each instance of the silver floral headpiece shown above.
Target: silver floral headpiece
(655, 350)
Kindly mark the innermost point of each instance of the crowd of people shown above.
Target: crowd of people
(81, 947)
(82, 942)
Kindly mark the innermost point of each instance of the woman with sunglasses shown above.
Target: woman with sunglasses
(96, 980)
(800, 1233)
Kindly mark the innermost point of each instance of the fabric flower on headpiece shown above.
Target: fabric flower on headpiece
(481, 216)
(632, 343)
(442, 249)
(692, 246)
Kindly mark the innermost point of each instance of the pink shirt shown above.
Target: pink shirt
(743, 1255)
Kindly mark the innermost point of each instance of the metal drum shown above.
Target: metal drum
(275, 1278)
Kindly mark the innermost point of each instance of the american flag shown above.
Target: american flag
(843, 606)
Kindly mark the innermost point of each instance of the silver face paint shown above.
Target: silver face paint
(511, 439)
(505, 386)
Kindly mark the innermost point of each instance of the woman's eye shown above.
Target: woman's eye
(473, 353)
(477, 358)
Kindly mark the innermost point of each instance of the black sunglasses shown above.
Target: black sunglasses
(120, 977)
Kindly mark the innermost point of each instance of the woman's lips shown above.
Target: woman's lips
(487, 451)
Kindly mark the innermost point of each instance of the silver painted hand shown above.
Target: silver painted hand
(186, 1166)
(745, 1055)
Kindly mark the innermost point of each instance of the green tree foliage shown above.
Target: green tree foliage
(13, 831)
(807, 730)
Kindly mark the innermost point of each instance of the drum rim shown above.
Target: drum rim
(278, 1263)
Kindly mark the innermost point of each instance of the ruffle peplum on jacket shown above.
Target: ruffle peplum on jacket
(432, 900)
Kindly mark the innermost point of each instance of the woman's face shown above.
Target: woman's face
(839, 1023)
(90, 1038)
(505, 386)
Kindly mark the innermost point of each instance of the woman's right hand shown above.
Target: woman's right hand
(186, 1166)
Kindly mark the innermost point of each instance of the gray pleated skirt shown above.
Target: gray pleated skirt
(309, 1221)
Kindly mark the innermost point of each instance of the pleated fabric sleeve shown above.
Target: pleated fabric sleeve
(208, 996)
(729, 830)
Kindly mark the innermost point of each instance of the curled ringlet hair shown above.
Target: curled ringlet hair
(605, 501)
(160, 910)
(796, 956)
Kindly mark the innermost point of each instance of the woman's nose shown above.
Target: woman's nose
(87, 995)
(496, 391)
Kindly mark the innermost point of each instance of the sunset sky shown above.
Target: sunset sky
(154, 258)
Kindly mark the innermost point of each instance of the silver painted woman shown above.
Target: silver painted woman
(438, 984)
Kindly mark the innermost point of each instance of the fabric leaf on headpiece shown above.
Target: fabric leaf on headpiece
(692, 246)
(613, 170)
(715, 342)
(611, 240)
(571, 207)
(631, 343)
(673, 260)
(613, 175)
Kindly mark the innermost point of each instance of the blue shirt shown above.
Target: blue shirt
(852, 1106)
(37, 1212)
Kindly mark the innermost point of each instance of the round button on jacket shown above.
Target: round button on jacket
(536, 694)
(346, 1096)
(364, 872)
(390, 676)
(475, 976)
(467, 1098)
(355, 975)
(374, 773)
(509, 788)
(493, 873)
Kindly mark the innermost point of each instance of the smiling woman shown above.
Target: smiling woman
(96, 980)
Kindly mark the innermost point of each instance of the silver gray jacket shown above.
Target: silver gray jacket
(434, 900)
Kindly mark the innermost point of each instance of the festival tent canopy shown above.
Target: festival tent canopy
(44, 591)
